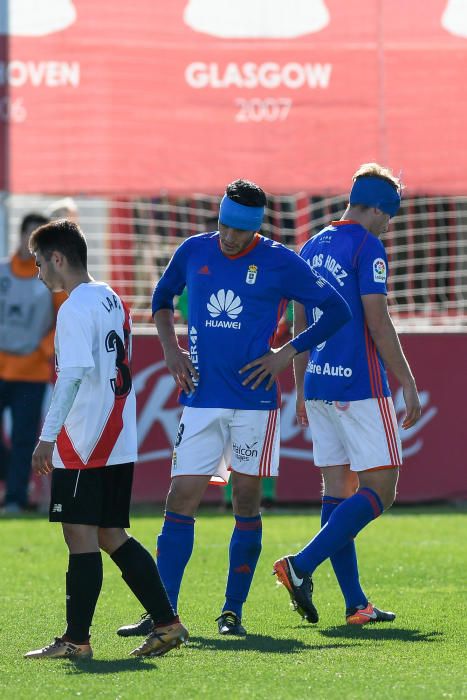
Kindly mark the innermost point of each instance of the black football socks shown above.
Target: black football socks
(140, 573)
(83, 585)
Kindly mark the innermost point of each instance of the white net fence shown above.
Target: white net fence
(131, 240)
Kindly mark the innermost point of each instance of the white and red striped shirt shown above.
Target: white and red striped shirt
(94, 333)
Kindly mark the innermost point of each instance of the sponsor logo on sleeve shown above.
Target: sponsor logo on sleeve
(379, 270)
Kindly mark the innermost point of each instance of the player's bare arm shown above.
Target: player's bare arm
(299, 364)
(269, 365)
(177, 359)
(42, 457)
(387, 342)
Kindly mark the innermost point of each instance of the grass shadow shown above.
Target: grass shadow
(380, 634)
(259, 643)
(106, 666)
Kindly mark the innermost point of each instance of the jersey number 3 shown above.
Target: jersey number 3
(121, 385)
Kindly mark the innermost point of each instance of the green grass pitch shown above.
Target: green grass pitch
(412, 561)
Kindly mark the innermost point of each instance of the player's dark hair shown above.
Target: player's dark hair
(247, 193)
(32, 221)
(63, 236)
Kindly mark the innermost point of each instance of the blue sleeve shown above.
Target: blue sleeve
(323, 304)
(372, 267)
(303, 284)
(172, 282)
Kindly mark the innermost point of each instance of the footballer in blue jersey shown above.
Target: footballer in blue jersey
(343, 395)
(239, 283)
(348, 367)
(234, 305)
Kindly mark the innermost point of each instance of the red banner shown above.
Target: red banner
(190, 94)
(434, 449)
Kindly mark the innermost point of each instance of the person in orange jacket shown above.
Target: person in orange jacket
(27, 320)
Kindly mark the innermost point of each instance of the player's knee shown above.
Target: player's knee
(246, 504)
(110, 539)
(384, 483)
(182, 499)
(339, 485)
(388, 498)
(246, 501)
(80, 538)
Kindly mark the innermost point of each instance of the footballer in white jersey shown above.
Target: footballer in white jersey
(94, 333)
(88, 443)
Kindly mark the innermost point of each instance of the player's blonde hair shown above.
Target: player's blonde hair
(377, 170)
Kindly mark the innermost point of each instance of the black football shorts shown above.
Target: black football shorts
(99, 496)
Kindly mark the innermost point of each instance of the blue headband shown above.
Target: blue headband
(239, 216)
(373, 191)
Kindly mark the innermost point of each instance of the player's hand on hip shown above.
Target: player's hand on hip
(269, 365)
(42, 457)
(300, 412)
(182, 369)
(413, 409)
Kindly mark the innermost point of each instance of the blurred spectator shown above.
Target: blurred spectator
(27, 312)
(65, 208)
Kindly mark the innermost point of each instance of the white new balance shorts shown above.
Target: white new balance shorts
(211, 441)
(363, 433)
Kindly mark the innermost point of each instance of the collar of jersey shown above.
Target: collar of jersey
(253, 244)
(345, 222)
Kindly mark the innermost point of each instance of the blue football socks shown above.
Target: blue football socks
(244, 551)
(174, 548)
(344, 523)
(344, 561)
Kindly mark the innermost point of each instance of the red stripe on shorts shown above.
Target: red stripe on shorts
(393, 431)
(389, 430)
(265, 461)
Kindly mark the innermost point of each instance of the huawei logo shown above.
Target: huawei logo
(225, 301)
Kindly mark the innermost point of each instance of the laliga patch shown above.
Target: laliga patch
(251, 274)
(379, 270)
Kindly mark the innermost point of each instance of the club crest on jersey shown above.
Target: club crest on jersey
(251, 274)
(379, 270)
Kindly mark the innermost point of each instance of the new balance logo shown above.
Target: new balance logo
(204, 270)
(57, 508)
